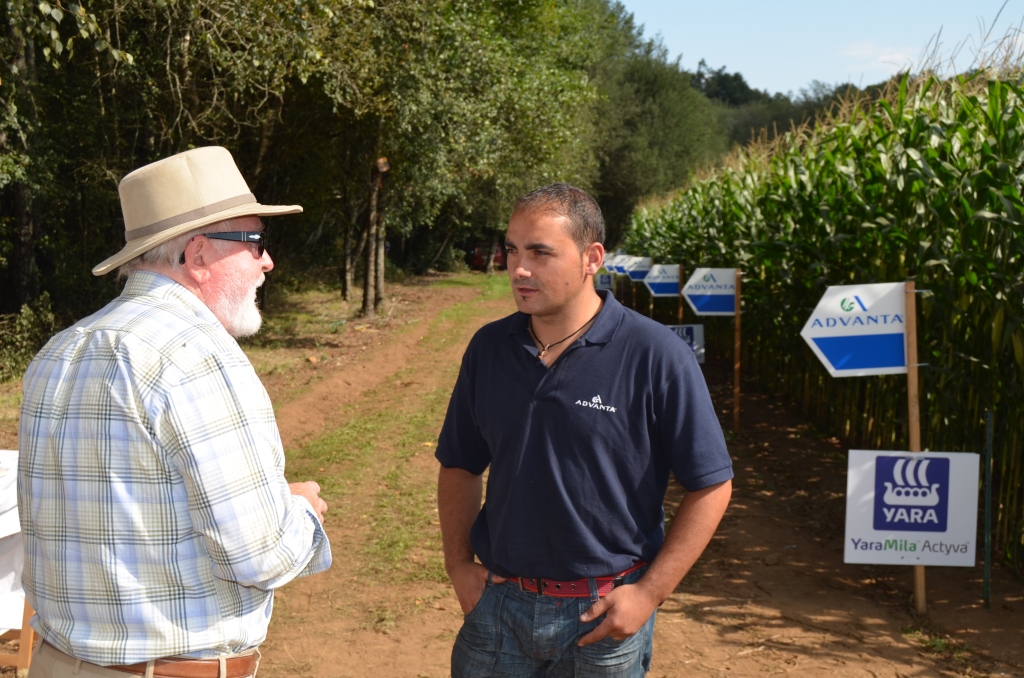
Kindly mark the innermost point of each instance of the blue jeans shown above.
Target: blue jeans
(514, 633)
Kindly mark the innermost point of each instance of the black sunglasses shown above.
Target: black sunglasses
(258, 237)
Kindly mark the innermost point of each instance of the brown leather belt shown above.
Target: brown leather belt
(173, 667)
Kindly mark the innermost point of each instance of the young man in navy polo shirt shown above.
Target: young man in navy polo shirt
(581, 409)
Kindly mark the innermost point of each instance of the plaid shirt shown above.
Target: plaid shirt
(156, 515)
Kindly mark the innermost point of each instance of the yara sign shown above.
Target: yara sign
(909, 508)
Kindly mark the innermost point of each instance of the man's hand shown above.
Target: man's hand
(627, 607)
(311, 491)
(469, 580)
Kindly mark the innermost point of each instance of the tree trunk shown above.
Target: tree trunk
(26, 272)
(349, 264)
(378, 297)
(370, 274)
(443, 248)
(493, 250)
(266, 135)
(25, 246)
(345, 267)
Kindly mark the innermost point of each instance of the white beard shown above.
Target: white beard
(237, 310)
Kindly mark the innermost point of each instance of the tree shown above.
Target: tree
(654, 128)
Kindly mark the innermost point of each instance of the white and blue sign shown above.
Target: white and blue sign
(663, 280)
(611, 262)
(637, 267)
(604, 281)
(693, 335)
(712, 291)
(905, 508)
(860, 330)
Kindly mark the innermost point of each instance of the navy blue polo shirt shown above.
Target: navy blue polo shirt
(580, 452)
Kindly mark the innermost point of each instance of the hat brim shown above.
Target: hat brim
(137, 247)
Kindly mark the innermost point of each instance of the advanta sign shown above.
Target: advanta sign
(911, 508)
(611, 262)
(637, 267)
(663, 280)
(859, 330)
(712, 291)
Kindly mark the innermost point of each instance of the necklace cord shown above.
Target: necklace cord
(547, 347)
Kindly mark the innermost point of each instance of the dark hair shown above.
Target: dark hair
(586, 224)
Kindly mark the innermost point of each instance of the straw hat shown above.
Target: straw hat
(177, 194)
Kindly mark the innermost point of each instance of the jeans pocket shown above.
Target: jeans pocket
(476, 647)
(626, 658)
(480, 604)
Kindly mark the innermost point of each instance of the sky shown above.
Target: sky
(782, 46)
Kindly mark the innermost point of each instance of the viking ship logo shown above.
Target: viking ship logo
(911, 487)
(911, 493)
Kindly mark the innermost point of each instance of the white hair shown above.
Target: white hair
(167, 255)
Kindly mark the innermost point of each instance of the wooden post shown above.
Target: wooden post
(681, 301)
(26, 638)
(914, 418)
(736, 359)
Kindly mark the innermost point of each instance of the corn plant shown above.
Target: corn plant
(923, 184)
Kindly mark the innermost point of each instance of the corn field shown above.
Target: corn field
(923, 184)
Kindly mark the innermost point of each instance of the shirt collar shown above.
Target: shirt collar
(601, 332)
(151, 284)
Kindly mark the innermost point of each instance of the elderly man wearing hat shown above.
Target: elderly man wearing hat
(156, 515)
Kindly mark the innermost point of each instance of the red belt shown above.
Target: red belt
(579, 588)
(173, 667)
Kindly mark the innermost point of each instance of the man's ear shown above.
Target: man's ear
(593, 258)
(195, 260)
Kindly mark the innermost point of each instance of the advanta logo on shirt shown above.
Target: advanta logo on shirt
(595, 403)
(911, 493)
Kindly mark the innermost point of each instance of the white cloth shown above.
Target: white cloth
(12, 553)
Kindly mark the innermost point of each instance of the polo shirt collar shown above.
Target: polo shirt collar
(601, 332)
(608, 320)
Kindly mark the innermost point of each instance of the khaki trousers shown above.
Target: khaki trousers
(49, 662)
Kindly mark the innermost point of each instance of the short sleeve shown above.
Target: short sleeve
(687, 427)
(461, 444)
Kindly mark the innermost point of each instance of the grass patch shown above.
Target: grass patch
(933, 640)
(298, 319)
(492, 286)
(405, 513)
(10, 400)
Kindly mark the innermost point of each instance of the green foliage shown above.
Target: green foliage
(749, 114)
(923, 184)
(41, 22)
(23, 334)
(653, 129)
(473, 104)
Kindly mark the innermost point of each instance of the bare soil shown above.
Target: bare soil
(771, 594)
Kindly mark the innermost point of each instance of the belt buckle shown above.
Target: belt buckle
(618, 580)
